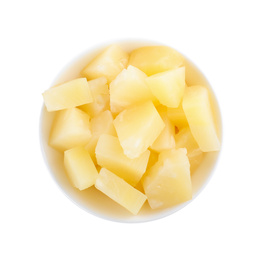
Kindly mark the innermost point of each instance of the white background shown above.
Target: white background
(224, 38)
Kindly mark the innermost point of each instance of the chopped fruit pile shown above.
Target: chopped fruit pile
(132, 127)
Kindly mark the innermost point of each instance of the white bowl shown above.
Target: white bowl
(92, 200)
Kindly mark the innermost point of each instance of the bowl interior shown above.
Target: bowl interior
(92, 200)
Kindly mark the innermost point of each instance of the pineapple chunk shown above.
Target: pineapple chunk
(98, 86)
(107, 64)
(68, 95)
(91, 146)
(168, 182)
(101, 124)
(177, 116)
(120, 191)
(152, 159)
(139, 187)
(198, 111)
(110, 155)
(80, 168)
(155, 59)
(101, 97)
(185, 139)
(168, 86)
(137, 128)
(166, 140)
(71, 128)
(129, 88)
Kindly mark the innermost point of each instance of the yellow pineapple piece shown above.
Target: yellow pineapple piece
(177, 116)
(129, 88)
(120, 191)
(166, 140)
(155, 59)
(91, 146)
(68, 95)
(71, 128)
(98, 168)
(139, 187)
(197, 109)
(98, 86)
(168, 87)
(168, 182)
(152, 159)
(110, 155)
(80, 167)
(137, 128)
(101, 124)
(107, 64)
(185, 139)
(101, 97)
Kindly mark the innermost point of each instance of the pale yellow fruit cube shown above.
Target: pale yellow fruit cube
(166, 139)
(91, 146)
(137, 128)
(110, 155)
(177, 116)
(185, 139)
(101, 97)
(68, 95)
(198, 111)
(98, 168)
(80, 167)
(107, 64)
(139, 187)
(152, 159)
(168, 182)
(168, 87)
(71, 128)
(101, 124)
(155, 59)
(129, 88)
(120, 191)
(98, 86)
